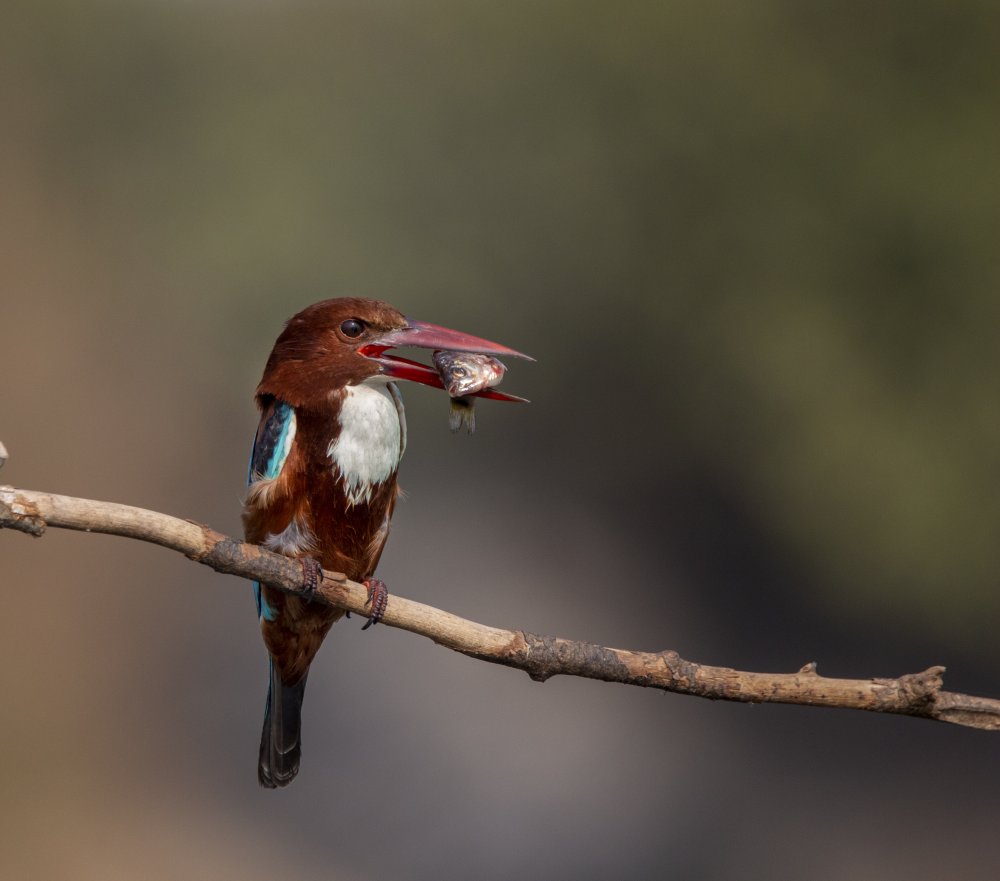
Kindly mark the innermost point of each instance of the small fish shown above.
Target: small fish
(464, 374)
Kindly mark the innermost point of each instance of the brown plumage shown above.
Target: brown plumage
(323, 477)
(313, 356)
(348, 538)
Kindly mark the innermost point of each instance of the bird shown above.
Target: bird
(322, 482)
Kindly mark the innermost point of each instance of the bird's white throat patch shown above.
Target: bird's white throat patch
(368, 449)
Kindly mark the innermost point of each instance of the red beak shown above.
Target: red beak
(431, 336)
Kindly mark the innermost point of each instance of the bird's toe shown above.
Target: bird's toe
(312, 574)
(378, 599)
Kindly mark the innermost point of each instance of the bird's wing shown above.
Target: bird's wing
(272, 442)
(271, 446)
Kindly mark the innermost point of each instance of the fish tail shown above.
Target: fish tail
(463, 415)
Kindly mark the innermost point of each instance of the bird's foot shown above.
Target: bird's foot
(312, 575)
(378, 599)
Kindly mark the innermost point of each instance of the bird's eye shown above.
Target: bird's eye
(352, 328)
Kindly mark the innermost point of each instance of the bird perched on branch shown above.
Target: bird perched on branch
(322, 482)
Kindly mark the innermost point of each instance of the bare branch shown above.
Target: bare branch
(914, 694)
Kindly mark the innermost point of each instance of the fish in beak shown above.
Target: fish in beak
(422, 335)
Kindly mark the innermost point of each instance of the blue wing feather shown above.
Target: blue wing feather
(271, 446)
(272, 442)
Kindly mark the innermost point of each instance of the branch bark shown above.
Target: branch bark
(541, 657)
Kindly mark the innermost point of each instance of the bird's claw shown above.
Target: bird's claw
(378, 599)
(312, 575)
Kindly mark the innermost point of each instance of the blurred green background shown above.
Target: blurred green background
(754, 249)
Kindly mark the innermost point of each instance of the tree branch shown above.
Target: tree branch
(914, 694)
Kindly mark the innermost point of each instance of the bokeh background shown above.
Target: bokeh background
(754, 249)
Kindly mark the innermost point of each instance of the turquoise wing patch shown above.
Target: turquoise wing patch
(271, 447)
(272, 443)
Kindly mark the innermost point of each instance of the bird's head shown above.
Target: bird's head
(344, 341)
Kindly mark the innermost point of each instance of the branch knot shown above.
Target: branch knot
(18, 513)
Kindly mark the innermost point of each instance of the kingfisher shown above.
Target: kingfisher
(322, 480)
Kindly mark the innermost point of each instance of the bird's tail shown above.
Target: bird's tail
(281, 739)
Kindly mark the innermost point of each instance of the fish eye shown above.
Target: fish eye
(459, 371)
(352, 328)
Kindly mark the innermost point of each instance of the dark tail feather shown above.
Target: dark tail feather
(281, 739)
